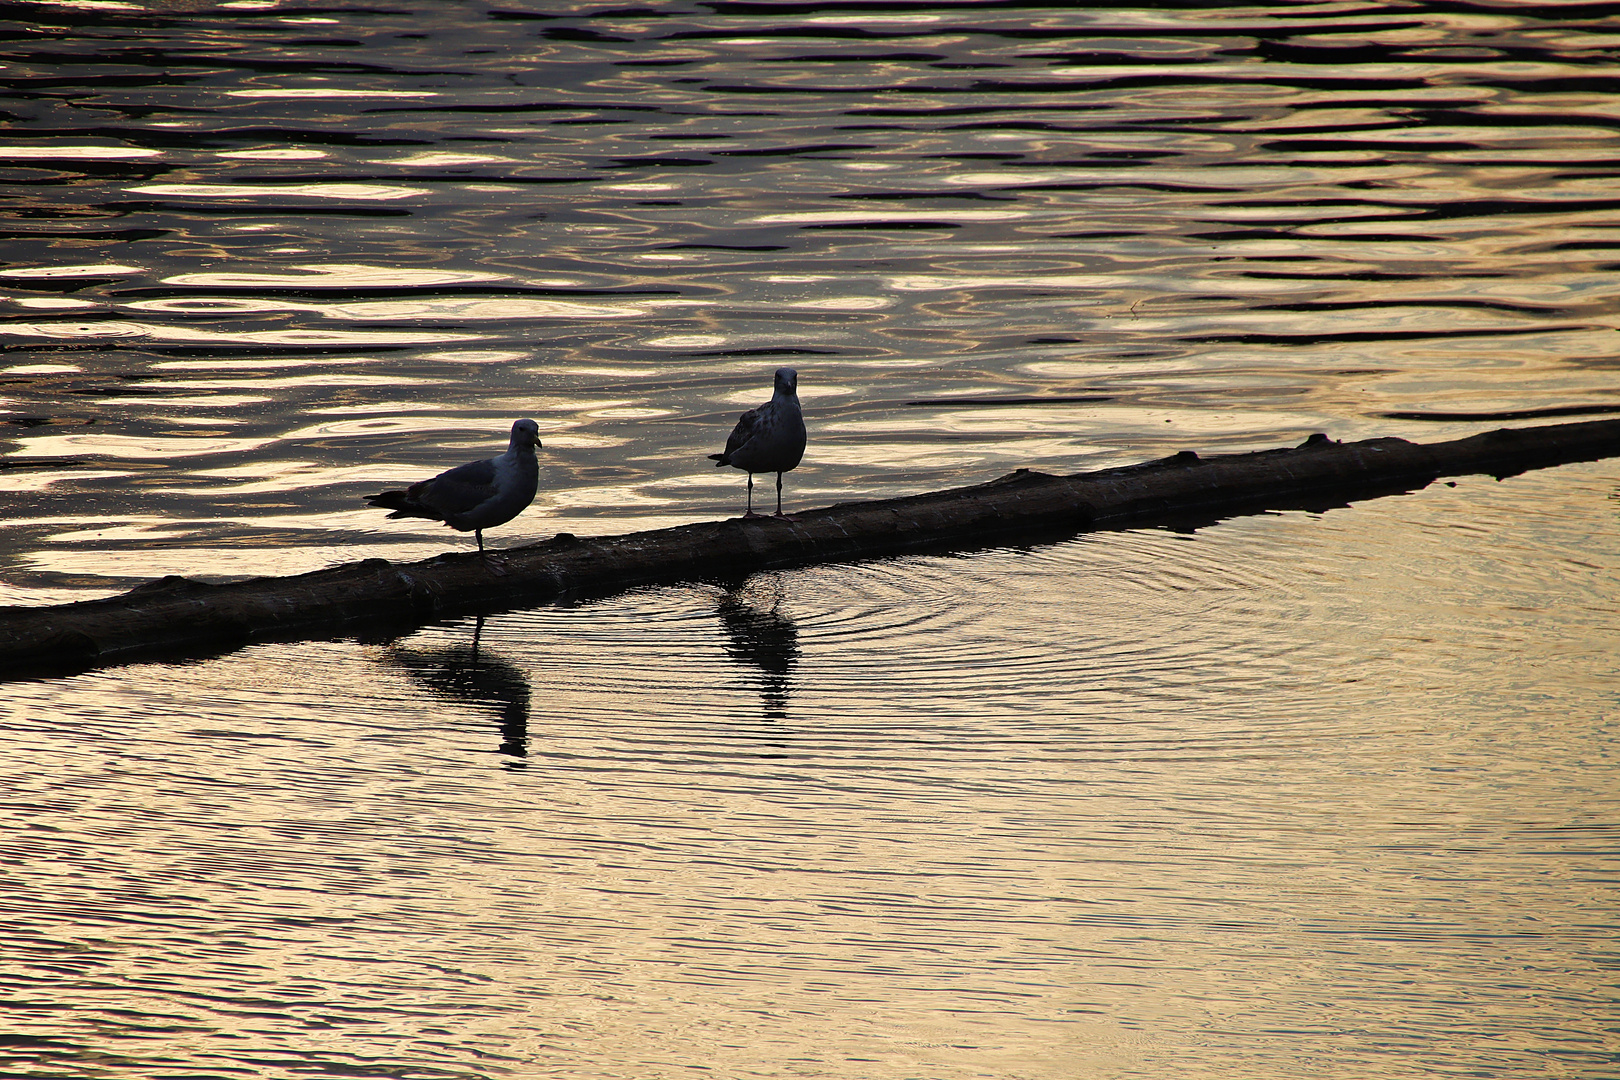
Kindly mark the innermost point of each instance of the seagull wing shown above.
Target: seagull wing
(457, 490)
(747, 424)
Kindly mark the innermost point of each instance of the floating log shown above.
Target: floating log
(176, 616)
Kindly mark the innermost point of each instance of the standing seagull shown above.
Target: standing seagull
(478, 495)
(769, 438)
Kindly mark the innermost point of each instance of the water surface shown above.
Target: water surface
(1298, 795)
(263, 258)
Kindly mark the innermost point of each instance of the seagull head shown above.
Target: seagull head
(525, 433)
(787, 380)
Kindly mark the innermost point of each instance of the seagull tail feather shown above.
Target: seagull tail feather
(389, 500)
(402, 505)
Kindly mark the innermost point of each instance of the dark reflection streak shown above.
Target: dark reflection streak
(207, 62)
(767, 352)
(112, 236)
(899, 196)
(882, 226)
(1024, 108)
(1257, 28)
(1131, 185)
(466, 675)
(581, 106)
(1292, 233)
(254, 210)
(1371, 142)
(1505, 120)
(54, 172)
(1383, 335)
(860, 58)
(1083, 399)
(1492, 52)
(294, 288)
(1504, 414)
(1128, 82)
(230, 136)
(1471, 208)
(1350, 275)
(762, 637)
(786, 151)
(660, 162)
(1358, 305)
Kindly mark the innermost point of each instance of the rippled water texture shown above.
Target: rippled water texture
(263, 258)
(1294, 796)
(1299, 796)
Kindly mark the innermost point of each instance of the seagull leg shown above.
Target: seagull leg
(785, 517)
(492, 565)
(750, 512)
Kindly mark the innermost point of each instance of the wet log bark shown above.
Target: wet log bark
(179, 617)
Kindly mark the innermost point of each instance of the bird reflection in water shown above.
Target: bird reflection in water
(759, 635)
(468, 675)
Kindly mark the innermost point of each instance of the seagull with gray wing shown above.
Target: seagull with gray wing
(768, 439)
(478, 495)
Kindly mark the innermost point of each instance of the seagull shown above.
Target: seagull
(477, 495)
(769, 438)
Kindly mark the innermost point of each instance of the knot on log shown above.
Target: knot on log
(169, 583)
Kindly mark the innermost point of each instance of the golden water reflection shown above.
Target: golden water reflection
(1298, 795)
